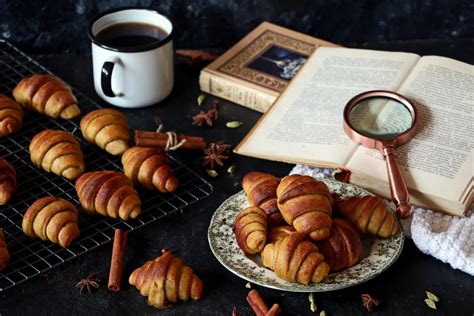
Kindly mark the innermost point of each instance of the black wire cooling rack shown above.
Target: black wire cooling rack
(31, 257)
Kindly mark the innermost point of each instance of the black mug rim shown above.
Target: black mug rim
(138, 48)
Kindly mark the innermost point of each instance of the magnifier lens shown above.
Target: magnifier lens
(380, 118)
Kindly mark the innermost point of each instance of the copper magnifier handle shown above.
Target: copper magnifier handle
(386, 145)
(398, 187)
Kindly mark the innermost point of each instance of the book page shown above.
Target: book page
(438, 160)
(380, 117)
(305, 123)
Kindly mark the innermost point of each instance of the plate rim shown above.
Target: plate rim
(313, 286)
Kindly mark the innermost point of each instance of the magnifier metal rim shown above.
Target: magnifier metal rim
(374, 142)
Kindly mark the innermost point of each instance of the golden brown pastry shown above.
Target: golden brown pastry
(280, 232)
(4, 254)
(11, 116)
(343, 248)
(166, 280)
(57, 152)
(306, 204)
(250, 229)
(295, 259)
(369, 214)
(7, 181)
(52, 218)
(109, 193)
(47, 94)
(108, 129)
(261, 191)
(150, 167)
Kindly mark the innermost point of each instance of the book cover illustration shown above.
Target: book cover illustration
(270, 60)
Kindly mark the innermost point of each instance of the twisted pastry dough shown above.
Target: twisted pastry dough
(280, 232)
(149, 167)
(7, 181)
(11, 116)
(47, 94)
(261, 191)
(52, 218)
(295, 259)
(250, 229)
(166, 280)
(57, 152)
(369, 214)
(343, 248)
(306, 204)
(4, 254)
(108, 129)
(109, 193)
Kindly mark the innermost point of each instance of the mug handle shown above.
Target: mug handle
(106, 79)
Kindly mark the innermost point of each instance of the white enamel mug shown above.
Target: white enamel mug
(132, 76)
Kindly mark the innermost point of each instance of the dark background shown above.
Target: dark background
(60, 26)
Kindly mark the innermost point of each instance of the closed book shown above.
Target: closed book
(255, 71)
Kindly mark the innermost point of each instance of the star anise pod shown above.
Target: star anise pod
(88, 283)
(369, 302)
(215, 153)
(208, 117)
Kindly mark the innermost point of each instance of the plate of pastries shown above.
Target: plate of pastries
(303, 235)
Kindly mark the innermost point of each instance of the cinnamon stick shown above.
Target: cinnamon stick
(196, 55)
(275, 310)
(150, 134)
(154, 139)
(258, 305)
(116, 263)
(256, 302)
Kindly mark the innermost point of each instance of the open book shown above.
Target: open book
(305, 123)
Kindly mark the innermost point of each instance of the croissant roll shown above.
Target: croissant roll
(261, 191)
(57, 152)
(108, 193)
(52, 218)
(149, 167)
(295, 259)
(4, 254)
(166, 280)
(280, 232)
(108, 129)
(306, 204)
(11, 116)
(250, 229)
(369, 214)
(47, 94)
(7, 181)
(343, 248)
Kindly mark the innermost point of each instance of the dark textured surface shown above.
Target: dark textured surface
(60, 26)
(401, 288)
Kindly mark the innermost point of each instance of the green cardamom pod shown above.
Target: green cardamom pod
(431, 304)
(233, 124)
(432, 297)
(201, 99)
(212, 173)
(231, 169)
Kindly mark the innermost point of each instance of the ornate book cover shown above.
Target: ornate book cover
(259, 67)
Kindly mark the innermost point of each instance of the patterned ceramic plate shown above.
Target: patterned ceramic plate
(379, 253)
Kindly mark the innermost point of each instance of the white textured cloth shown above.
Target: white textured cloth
(447, 238)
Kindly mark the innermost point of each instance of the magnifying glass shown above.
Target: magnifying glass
(384, 120)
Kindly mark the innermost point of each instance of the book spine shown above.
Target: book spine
(235, 92)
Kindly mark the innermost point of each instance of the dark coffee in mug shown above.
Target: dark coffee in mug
(132, 57)
(123, 35)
